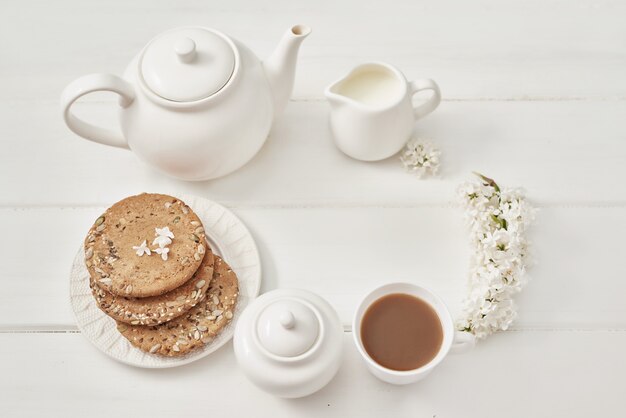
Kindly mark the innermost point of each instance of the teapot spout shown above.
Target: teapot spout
(280, 67)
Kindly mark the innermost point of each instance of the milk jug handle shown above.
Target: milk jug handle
(88, 84)
(431, 104)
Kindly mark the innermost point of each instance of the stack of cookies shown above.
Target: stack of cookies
(152, 271)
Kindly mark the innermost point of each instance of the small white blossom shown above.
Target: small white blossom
(142, 249)
(420, 157)
(163, 252)
(162, 241)
(163, 237)
(164, 232)
(497, 221)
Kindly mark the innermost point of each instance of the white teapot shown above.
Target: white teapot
(289, 342)
(195, 103)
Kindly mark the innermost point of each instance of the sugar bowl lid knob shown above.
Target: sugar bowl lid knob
(287, 319)
(287, 328)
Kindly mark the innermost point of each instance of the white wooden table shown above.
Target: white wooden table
(534, 96)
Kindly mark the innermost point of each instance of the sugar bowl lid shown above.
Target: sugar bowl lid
(288, 327)
(187, 64)
(289, 342)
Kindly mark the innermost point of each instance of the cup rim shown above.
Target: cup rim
(445, 345)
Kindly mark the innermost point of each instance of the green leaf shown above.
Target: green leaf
(499, 221)
(490, 182)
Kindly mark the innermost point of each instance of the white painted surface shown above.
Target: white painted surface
(513, 375)
(563, 152)
(534, 95)
(479, 49)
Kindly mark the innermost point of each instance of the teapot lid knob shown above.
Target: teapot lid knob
(185, 50)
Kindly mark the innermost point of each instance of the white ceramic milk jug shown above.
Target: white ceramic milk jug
(372, 114)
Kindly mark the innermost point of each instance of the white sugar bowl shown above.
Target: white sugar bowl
(289, 342)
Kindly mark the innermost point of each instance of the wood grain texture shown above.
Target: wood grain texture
(484, 48)
(534, 95)
(515, 374)
(563, 153)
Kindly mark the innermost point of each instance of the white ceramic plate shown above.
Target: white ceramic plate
(228, 238)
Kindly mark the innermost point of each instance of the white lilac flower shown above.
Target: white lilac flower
(162, 251)
(164, 232)
(162, 241)
(420, 157)
(163, 237)
(142, 249)
(497, 221)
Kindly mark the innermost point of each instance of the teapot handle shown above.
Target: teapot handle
(88, 84)
(432, 103)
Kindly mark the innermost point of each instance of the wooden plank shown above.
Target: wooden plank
(534, 95)
(341, 253)
(485, 48)
(566, 153)
(515, 374)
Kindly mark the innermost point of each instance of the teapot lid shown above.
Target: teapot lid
(187, 64)
(288, 327)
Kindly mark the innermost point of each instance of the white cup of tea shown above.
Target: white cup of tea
(451, 341)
